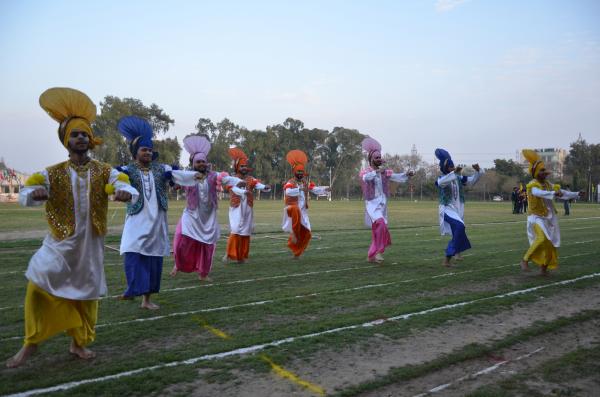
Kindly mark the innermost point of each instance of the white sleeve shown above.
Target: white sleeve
(399, 177)
(318, 190)
(122, 186)
(292, 192)
(369, 176)
(184, 178)
(260, 186)
(545, 194)
(447, 179)
(471, 180)
(568, 195)
(239, 191)
(25, 194)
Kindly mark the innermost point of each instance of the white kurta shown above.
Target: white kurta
(286, 224)
(377, 207)
(548, 223)
(241, 218)
(72, 268)
(455, 209)
(201, 223)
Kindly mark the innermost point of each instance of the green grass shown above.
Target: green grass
(336, 259)
(581, 364)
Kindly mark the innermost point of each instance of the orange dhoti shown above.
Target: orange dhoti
(238, 247)
(302, 234)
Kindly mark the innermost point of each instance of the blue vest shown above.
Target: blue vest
(160, 185)
(445, 193)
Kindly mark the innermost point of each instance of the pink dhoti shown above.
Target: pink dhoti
(192, 255)
(380, 238)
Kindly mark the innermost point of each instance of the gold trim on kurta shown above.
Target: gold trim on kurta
(60, 207)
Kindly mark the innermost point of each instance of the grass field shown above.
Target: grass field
(331, 323)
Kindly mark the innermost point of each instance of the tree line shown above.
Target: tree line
(335, 156)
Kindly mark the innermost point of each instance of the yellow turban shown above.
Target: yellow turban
(535, 162)
(73, 110)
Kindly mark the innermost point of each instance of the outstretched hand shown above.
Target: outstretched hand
(558, 193)
(39, 194)
(476, 167)
(410, 173)
(122, 195)
(581, 194)
(458, 170)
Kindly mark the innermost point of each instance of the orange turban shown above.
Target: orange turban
(239, 158)
(297, 159)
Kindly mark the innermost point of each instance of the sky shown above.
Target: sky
(480, 78)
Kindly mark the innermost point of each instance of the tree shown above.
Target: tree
(114, 150)
(583, 163)
(509, 168)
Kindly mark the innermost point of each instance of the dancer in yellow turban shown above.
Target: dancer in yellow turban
(542, 223)
(66, 275)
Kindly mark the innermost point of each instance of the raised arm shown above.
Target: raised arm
(447, 179)
(545, 194)
(401, 177)
(369, 175)
(471, 180)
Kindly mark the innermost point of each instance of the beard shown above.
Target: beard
(79, 151)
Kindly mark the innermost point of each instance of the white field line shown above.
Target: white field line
(283, 276)
(484, 371)
(313, 294)
(275, 343)
(317, 237)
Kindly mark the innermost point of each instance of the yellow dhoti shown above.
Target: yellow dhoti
(46, 315)
(541, 251)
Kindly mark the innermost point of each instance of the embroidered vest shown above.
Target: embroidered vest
(536, 205)
(60, 207)
(160, 185)
(192, 193)
(368, 187)
(446, 193)
(235, 200)
(290, 200)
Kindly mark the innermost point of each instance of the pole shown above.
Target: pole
(330, 187)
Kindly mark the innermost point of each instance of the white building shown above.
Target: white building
(554, 158)
(11, 182)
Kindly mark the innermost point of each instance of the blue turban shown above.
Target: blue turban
(445, 160)
(137, 131)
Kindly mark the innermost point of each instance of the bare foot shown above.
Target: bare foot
(241, 261)
(459, 257)
(296, 257)
(379, 258)
(173, 271)
(544, 270)
(81, 351)
(524, 266)
(149, 305)
(294, 239)
(446, 262)
(371, 259)
(19, 359)
(205, 278)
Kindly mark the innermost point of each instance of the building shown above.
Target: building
(554, 158)
(11, 182)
